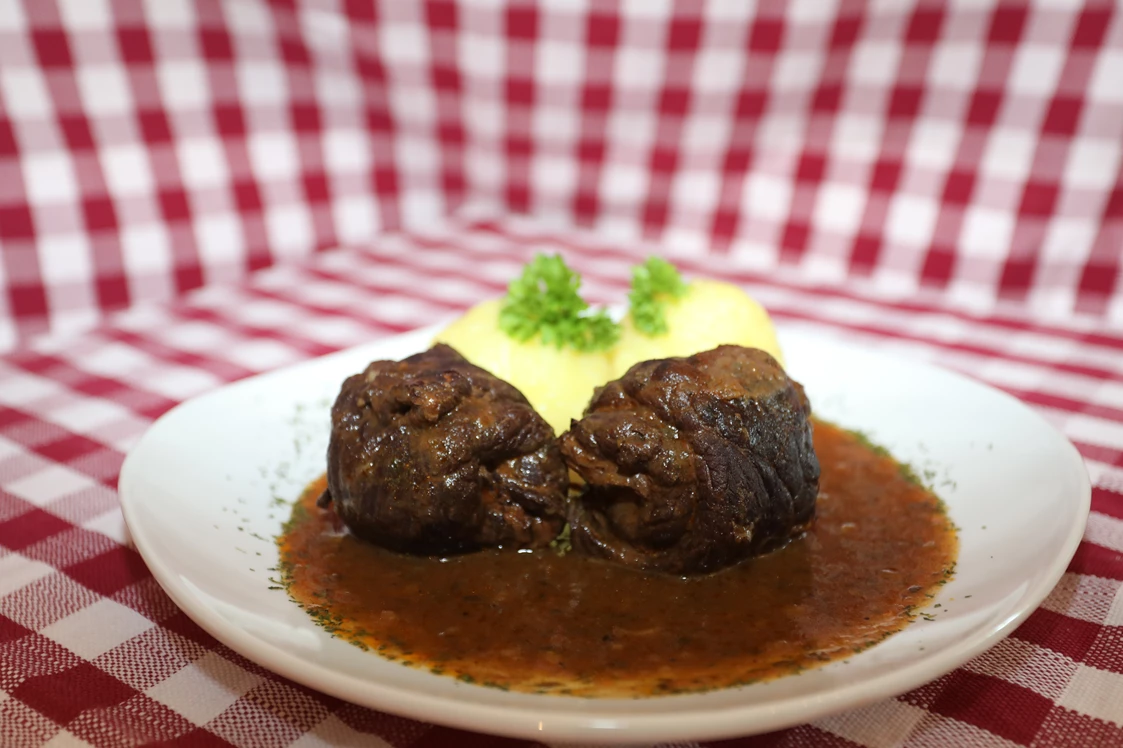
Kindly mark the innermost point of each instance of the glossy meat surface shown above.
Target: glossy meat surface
(693, 464)
(433, 455)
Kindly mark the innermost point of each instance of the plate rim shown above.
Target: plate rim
(541, 722)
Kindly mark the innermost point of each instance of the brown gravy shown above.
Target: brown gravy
(538, 622)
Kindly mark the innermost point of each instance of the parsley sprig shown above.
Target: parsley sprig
(562, 544)
(653, 284)
(544, 302)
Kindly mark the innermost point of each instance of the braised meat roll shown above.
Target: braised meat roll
(432, 455)
(693, 464)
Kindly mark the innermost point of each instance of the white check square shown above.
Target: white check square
(85, 14)
(623, 183)
(559, 62)
(1106, 84)
(955, 65)
(839, 207)
(766, 196)
(204, 689)
(875, 63)
(97, 628)
(146, 251)
(262, 83)
(220, 239)
(911, 219)
(638, 67)
(355, 219)
(1093, 163)
(49, 177)
(183, 83)
(290, 229)
(181, 382)
(481, 56)
(1036, 69)
(169, 14)
(105, 90)
(796, 71)
(933, 143)
(1009, 153)
(274, 155)
(1097, 693)
(986, 232)
(249, 19)
(346, 150)
(695, 189)
(126, 170)
(202, 163)
(717, 70)
(404, 43)
(885, 723)
(50, 484)
(17, 571)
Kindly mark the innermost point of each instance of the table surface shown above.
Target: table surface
(92, 651)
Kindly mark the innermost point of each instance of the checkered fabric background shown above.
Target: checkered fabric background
(91, 650)
(945, 182)
(152, 146)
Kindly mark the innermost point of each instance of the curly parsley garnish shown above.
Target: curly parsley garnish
(562, 544)
(653, 284)
(543, 302)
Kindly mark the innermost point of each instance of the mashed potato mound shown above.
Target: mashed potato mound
(558, 382)
(711, 313)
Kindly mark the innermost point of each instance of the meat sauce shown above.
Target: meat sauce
(879, 548)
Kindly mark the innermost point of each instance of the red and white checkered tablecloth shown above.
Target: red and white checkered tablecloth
(972, 150)
(940, 180)
(91, 650)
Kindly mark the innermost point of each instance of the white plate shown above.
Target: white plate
(201, 493)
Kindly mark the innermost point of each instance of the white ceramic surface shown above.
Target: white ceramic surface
(203, 494)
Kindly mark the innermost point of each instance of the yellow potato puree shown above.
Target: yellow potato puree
(711, 313)
(558, 382)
